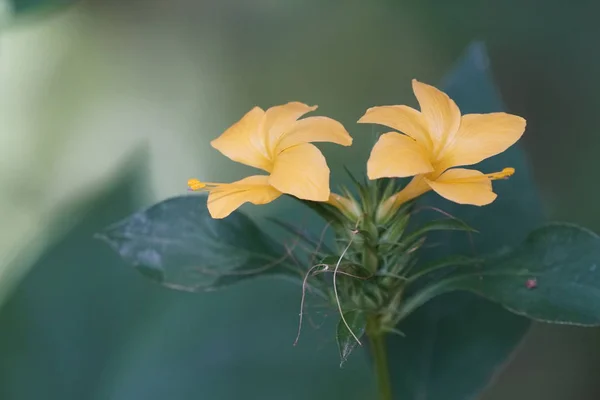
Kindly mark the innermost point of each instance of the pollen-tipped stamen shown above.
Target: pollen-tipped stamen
(195, 185)
(494, 176)
(504, 174)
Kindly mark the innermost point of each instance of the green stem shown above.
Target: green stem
(378, 349)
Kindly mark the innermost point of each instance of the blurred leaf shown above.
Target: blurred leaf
(455, 343)
(178, 244)
(345, 339)
(28, 6)
(83, 326)
(552, 277)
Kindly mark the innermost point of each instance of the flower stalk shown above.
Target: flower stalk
(379, 352)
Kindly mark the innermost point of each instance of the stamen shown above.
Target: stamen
(195, 184)
(504, 174)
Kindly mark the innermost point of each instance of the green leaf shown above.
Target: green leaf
(552, 277)
(117, 336)
(346, 340)
(178, 244)
(456, 343)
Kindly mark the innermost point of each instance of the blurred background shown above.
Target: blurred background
(107, 106)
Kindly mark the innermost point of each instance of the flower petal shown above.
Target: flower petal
(242, 142)
(481, 136)
(440, 112)
(279, 119)
(226, 198)
(314, 129)
(397, 156)
(402, 118)
(416, 187)
(302, 172)
(464, 186)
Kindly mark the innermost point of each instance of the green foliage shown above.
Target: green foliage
(551, 277)
(454, 344)
(178, 244)
(83, 325)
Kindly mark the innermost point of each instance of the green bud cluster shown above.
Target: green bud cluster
(374, 257)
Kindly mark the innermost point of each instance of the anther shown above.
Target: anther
(195, 184)
(504, 174)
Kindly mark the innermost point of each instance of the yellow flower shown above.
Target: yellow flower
(436, 139)
(277, 142)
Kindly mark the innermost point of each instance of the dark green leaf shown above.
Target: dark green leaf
(552, 277)
(117, 336)
(455, 344)
(178, 244)
(346, 340)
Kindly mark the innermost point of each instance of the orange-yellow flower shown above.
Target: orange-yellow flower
(277, 142)
(435, 140)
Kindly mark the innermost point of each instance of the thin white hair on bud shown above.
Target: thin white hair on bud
(337, 297)
(304, 283)
(325, 268)
(342, 273)
(308, 273)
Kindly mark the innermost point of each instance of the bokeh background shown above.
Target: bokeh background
(107, 106)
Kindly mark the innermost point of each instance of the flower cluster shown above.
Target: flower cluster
(376, 259)
(427, 145)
